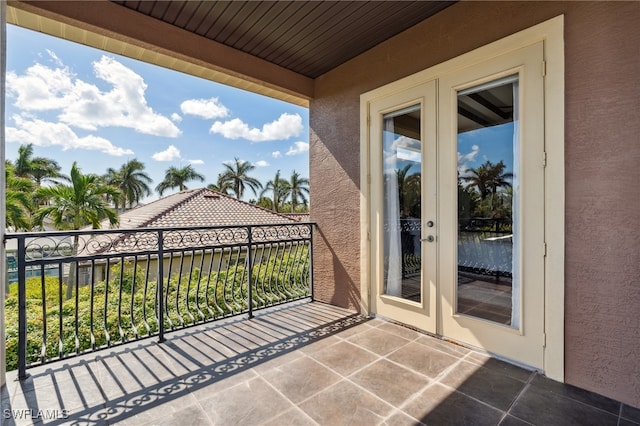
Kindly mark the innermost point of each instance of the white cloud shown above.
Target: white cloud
(205, 108)
(83, 104)
(286, 126)
(43, 133)
(276, 154)
(195, 161)
(169, 154)
(261, 163)
(469, 157)
(298, 148)
(55, 58)
(407, 155)
(176, 117)
(41, 88)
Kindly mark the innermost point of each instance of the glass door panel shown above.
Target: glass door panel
(456, 204)
(402, 171)
(487, 143)
(491, 234)
(403, 209)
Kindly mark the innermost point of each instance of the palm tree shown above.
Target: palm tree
(132, 182)
(38, 169)
(46, 169)
(277, 187)
(82, 203)
(468, 201)
(296, 188)
(487, 178)
(264, 202)
(177, 177)
(221, 185)
(237, 174)
(408, 191)
(19, 203)
(22, 165)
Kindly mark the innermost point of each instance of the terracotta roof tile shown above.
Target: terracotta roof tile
(192, 208)
(198, 207)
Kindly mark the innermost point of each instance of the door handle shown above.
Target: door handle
(429, 239)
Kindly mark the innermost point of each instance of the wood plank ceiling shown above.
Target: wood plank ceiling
(308, 37)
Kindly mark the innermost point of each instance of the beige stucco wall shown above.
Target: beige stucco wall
(602, 148)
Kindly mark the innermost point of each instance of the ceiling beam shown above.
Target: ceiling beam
(117, 29)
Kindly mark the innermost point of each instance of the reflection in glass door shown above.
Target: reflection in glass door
(455, 186)
(402, 171)
(488, 283)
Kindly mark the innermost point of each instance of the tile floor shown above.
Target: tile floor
(304, 364)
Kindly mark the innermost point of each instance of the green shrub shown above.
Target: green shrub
(52, 289)
(123, 309)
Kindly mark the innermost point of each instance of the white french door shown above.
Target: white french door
(404, 205)
(457, 205)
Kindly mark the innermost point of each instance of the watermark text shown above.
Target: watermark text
(33, 414)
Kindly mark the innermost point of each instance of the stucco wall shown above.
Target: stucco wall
(602, 146)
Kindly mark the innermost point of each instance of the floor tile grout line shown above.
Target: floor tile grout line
(342, 378)
(633, 421)
(400, 411)
(427, 335)
(587, 404)
(211, 422)
(452, 367)
(348, 380)
(357, 370)
(379, 357)
(304, 354)
(592, 406)
(619, 414)
(295, 405)
(529, 384)
(431, 380)
(120, 359)
(444, 373)
(520, 394)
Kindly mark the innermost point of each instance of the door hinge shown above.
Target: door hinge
(544, 158)
(544, 249)
(544, 340)
(368, 235)
(368, 119)
(369, 179)
(544, 68)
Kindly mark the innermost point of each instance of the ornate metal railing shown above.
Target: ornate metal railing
(485, 246)
(90, 290)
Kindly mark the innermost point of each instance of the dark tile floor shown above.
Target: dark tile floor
(485, 296)
(305, 364)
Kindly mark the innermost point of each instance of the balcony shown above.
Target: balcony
(91, 290)
(242, 342)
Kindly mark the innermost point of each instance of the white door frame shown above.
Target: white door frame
(551, 32)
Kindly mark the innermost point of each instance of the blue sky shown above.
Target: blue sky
(475, 147)
(493, 144)
(76, 103)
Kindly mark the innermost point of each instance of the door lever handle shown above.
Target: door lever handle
(429, 239)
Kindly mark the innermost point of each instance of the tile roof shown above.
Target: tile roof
(300, 217)
(192, 208)
(198, 207)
